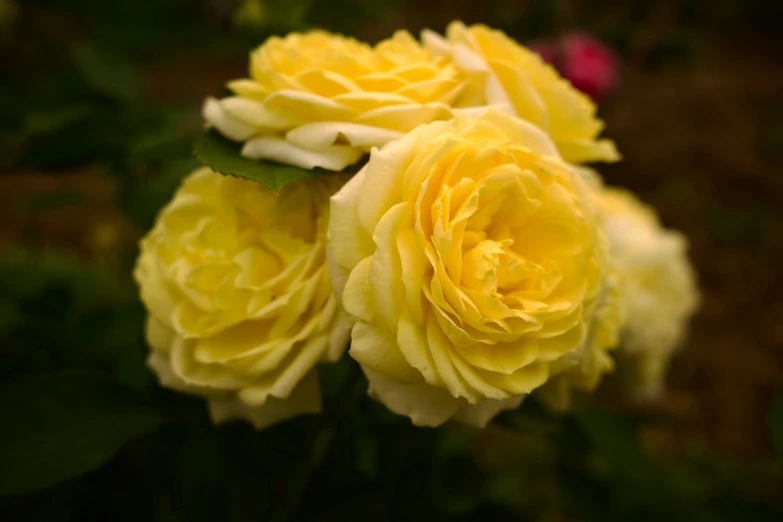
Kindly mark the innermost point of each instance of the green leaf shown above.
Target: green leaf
(62, 424)
(222, 155)
(615, 440)
(107, 74)
(775, 423)
(49, 122)
(201, 487)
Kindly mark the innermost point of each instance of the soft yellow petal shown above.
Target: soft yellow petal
(323, 135)
(435, 43)
(277, 149)
(381, 352)
(501, 357)
(357, 296)
(479, 415)
(349, 243)
(404, 118)
(281, 383)
(255, 114)
(425, 405)
(585, 152)
(159, 336)
(304, 399)
(306, 107)
(522, 381)
(215, 116)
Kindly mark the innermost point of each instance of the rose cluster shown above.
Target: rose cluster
(470, 261)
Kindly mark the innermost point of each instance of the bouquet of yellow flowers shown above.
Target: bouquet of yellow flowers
(425, 203)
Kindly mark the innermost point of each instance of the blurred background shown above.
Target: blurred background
(99, 105)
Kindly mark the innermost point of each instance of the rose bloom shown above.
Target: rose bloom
(658, 290)
(323, 100)
(584, 61)
(469, 257)
(240, 305)
(583, 369)
(506, 74)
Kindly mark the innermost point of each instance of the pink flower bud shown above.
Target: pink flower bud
(588, 64)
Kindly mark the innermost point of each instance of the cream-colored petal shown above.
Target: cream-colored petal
(500, 357)
(324, 83)
(381, 186)
(425, 405)
(521, 92)
(161, 366)
(435, 43)
(379, 351)
(339, 338)
(357, 297)
(349, 243)
(230, 127)
(479, 415)
(495, 93)
(404, 118)
(149, 276)
(522, 381)
(385, 270)
(469, 60)
(442, 356)
(412, 342)
(523, 132)
(281, 383)
(365, 101)
(306, 107)
(583, 151)
(248, 89)
(159, 336)
(412, 262)
(255, 114)
(195, 373)
(322, 135)
(304, 399)
(280, 150)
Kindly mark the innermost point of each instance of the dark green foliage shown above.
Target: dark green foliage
(775, 422)
(62, 424)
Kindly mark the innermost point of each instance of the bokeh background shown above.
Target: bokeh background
(99, 105)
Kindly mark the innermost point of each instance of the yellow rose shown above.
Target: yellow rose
(322, 100)
(468, 256)
(584, 367)
(506, 74)
(240, 304)
(658, 290)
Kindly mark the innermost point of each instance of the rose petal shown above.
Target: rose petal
(323, 135)
(304, 399)
(255, 114)
(278, 149)
(306, 107)
(215, 116)
(350, 243)
(357, 296)
(426, 405)
(405, 117)
(435, 43)
(480, 414)
(379, 351)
